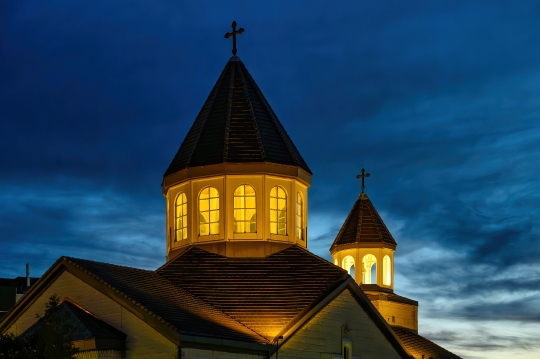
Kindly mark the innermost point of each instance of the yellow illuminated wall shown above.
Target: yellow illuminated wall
(237, 208)
(368, 264)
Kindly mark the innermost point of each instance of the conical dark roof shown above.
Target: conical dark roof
(363, 225)
(236, 124)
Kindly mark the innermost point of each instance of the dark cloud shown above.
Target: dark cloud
(438, 100)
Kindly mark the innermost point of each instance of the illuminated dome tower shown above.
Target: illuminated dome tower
(365, 248)
(237, 186)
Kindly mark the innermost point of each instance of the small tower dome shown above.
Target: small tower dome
(365, 248)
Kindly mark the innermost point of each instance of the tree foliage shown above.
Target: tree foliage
(51, 338)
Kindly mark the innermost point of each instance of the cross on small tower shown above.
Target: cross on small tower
(362, 176)
(233, 34)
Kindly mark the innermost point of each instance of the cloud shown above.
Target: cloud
(438, 100)
(38, 227)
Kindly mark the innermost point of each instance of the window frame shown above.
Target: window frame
(211, 224)
(280, 225)
(387, 270)
(299, 225)
(183, 217)
(247, 222)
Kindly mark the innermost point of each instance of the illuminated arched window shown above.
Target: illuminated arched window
(387, 271)
(181, 217)
(369, 269)
(245, 214)
(348, 265)
(278, 211)
(209, 211)
(336, 262)
(299, 216)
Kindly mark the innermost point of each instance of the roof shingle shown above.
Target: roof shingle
(265, 294)
(421, 347)
(363, 225)
(236, 124)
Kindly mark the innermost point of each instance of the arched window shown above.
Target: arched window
(346, 352)
(348, 264)
(209, 211)
(369, 269)
(336, 262)
(387, 270)
(245, 214)
(299, 216)
(181, 216)
(278, 211)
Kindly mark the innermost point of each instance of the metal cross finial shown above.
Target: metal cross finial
(233, 34)
(362, 176)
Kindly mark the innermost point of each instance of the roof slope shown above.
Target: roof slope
(363, 225)
(150, 291)
(421, 347)
(265, 294)
(236, 124)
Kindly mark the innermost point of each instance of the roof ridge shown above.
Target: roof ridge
(360, 219)
(203, 125)
(296, 246)
(110, 264)
(229, 111)
(343, 227)
(261, 147)
(376, 213)
(273, 118)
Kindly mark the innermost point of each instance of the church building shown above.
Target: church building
(239, 280)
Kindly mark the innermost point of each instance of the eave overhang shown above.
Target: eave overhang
(168, 330)
(228, 168)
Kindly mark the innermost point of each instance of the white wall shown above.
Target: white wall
(142, 340)
(323, 333)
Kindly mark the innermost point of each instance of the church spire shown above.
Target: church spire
(238, 185)
(364, 243)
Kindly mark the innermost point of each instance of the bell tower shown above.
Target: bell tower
(365, 248)
(237, 185)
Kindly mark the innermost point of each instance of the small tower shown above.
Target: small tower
(365, 248)
(237, 185)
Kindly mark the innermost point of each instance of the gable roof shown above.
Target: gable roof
(363, 225)
(421, 347)
(168, 303)
(265, 294)
(236, 124)
(169, 309)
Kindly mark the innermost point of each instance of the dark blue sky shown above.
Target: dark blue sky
(439, 100)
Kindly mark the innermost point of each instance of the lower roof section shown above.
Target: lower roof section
(265, 294)
(420, 347)
(237, 249)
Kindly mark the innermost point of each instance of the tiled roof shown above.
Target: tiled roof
(236, 124)
(167, 302)
(363, 225)
(421, 347)
(265, 294)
